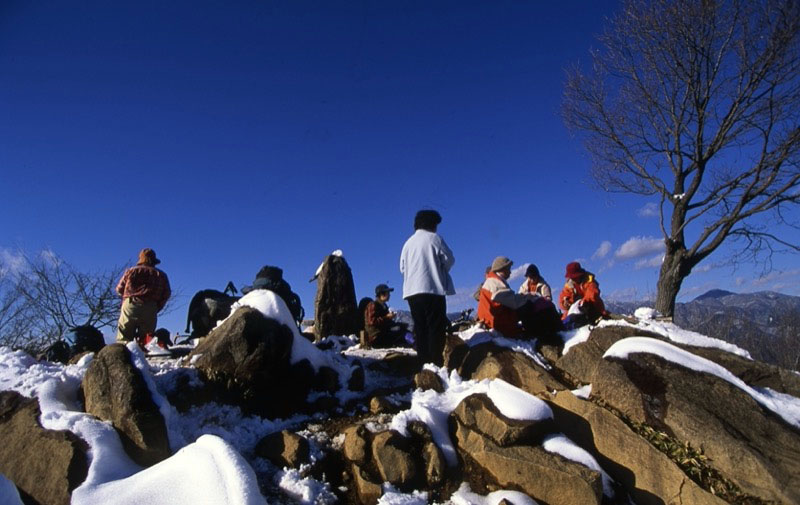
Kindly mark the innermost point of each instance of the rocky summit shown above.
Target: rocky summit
(623, 413)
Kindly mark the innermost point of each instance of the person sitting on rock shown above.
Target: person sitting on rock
(580, 298)
(502, 309)
(271, 278)
(379, 321)
(535, 284)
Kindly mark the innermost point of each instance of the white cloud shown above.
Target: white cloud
(603, 250)
(649, 210)
(637, 247)
(631, 294)
(12, 262)
(653, 262)
(50, 257)
(518, 272)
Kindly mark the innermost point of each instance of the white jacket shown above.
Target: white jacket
(425, 263)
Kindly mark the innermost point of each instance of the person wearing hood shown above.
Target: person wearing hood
(144, 290)
(425, 263)
(535, 284)
(580, 298)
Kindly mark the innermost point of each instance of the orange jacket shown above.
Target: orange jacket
(494, 314)
(587, 290)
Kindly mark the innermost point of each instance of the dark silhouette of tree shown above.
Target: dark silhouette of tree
(698, 103)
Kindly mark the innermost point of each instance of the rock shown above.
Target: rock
(582, 360)
(751, 446)
(114, 390)
(45, 465)
(356, 444)
(368, 491)
(435, 464)
(543, 476)
(247, 359)
(284, 449)
(478, 413)
(327, 379)
(427, 379)
(754, 373)
(380, 405)
(519, 370)
(646, 473)
(335, 306)
(393, 459)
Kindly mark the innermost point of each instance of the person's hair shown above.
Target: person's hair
(427, 220)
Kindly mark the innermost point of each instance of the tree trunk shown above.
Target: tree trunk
(674, 270)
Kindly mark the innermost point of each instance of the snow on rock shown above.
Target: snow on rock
(273, 307)
(788, 407)
(305, 490)
(583, 392)
(207, 471)
(476, 334)
(679, 335)
(465, 496)
(560, 444)
(392, 496)
(574, 337)
(646, 313)
(433, 408)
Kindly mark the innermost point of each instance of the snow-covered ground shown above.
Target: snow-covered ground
(213, 444)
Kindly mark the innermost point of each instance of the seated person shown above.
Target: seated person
(271, 278)
(535, 284)
(580, 298)
(501, 308)
(379, 323)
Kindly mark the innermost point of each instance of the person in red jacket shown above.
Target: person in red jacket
(379, 321)
(144, 290)
(580, 298)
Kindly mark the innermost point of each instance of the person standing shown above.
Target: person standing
(425, 263)
(144, 290)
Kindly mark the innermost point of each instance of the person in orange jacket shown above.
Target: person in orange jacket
(580, 298)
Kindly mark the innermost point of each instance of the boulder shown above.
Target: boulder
(434, 464)
(754, 373)
(284, 449)
(543, 476)
(380, 405)
(518, 369)
(393, 459)
(648, 475)
(115, 391)
(751, 446)
(247, 359)
(478, 413)
(335, 306)
(580, 363)
(356, 447)
(45, 465)
(427, 379)
(368, 491)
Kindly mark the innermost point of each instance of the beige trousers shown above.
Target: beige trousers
(136, 319)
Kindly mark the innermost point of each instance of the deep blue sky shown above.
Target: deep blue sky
(230, 135)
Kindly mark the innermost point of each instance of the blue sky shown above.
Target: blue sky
(231, 135)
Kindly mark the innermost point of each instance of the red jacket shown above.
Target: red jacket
(587, 290)
(145, 282)
(494, 314)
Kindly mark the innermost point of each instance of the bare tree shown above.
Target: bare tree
(48, 296)
(697, 102)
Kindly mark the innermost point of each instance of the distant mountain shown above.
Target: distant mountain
(765, 323)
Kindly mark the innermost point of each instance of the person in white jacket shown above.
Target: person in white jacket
(425, 263)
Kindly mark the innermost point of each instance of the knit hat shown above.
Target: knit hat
(532, 272)
(574, 271)
(501, 263)
(147, 256)
(382, 288)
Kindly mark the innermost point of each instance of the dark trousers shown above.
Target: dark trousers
(429, 313)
